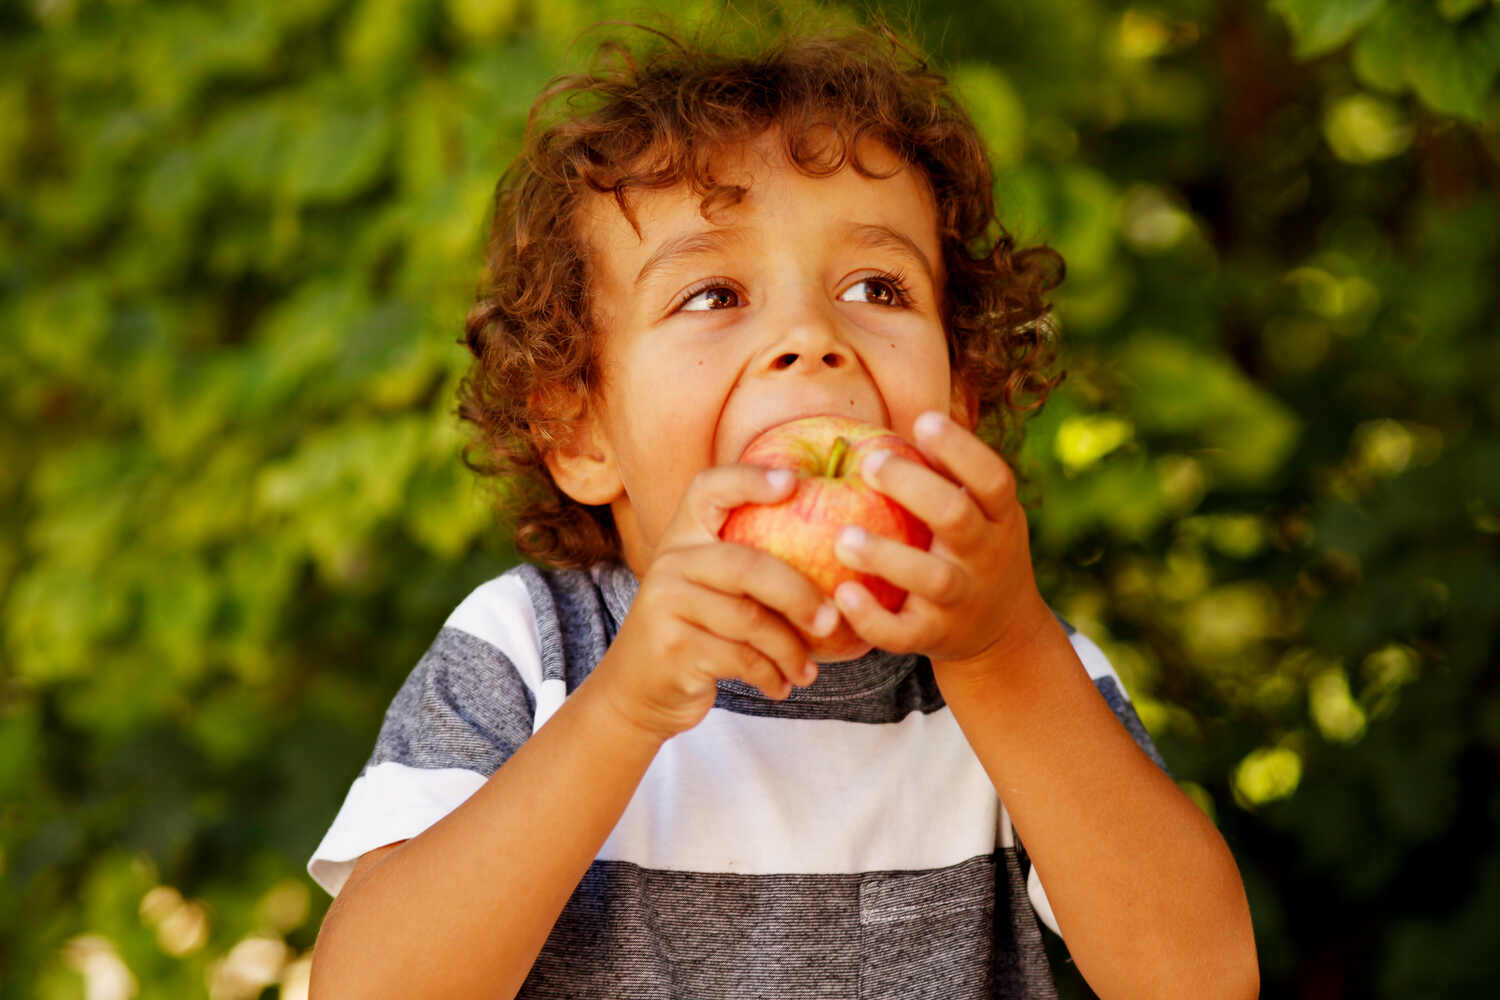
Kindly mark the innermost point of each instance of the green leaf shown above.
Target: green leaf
(481, 20)
(383, 36)
(57, 616)
(1457, 10)
(175, 51)
(1451, 66)
(1023, 202)
(1088, 210)
(245, 146)
(333, 154)
(997, 110)
(174, 191)
(63, 325)
(1320, 26)
(1244, 433)
(300, 338)
(446, 508)
(341, 485)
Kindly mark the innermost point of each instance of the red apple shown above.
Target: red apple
(826, 453)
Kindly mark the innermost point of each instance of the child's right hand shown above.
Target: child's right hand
(709, 609)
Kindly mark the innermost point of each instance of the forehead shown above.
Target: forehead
(777, 197)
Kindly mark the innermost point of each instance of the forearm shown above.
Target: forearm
(1142, 885)
(463, 909)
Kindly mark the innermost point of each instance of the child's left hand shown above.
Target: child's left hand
(973, 592)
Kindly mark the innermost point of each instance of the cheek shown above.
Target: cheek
(668, 423)
(916, 380)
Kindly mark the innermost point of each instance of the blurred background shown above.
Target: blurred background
(237, 241)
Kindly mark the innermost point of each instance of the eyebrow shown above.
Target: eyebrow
(868, 236)
(878, 237)
(688, 245)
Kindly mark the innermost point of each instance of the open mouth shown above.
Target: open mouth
(753, 435)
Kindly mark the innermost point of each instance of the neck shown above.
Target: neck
(635, 551)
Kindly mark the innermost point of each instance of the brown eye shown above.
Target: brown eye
(715, 297)
(879, 291)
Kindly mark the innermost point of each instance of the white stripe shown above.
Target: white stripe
(1094, 660)
(499, 612)
(1040, 902)
(389, 802)
(760, 796)
(549, 698)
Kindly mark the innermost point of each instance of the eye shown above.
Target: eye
(883, 290)
(710, 298)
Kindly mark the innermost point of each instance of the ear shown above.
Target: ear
(583, 464)
(963, 405)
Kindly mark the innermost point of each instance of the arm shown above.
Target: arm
(1142, 885)
(464, 908)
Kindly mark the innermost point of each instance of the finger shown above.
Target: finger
(913, 570)
(745, 622)
(968, 461)
(741, 662)
(716, 491)
(896, 632)
(739, 570)
(761, 674)
(944, 505)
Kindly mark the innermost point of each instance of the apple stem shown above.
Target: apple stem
(835, 465)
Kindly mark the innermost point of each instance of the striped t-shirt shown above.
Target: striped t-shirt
(842, 843)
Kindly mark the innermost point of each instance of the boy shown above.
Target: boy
(624, 777)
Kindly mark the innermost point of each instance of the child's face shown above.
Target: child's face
(782, 307)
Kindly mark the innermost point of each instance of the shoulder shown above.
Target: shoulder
(499, 612)
(550, 623)
(492, 610)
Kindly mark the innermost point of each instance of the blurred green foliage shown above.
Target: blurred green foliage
(237, 241)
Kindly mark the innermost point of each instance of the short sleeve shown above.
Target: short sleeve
(1113, 692)
(467, 706)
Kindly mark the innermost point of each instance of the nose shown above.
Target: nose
(809, 347)
(791, 359)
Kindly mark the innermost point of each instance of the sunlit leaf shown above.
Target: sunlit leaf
(481, 20)
(383, 36)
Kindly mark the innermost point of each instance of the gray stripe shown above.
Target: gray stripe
(635, 932)
(572, 624)
(464, 705)
(912, 689)
(1021, 971)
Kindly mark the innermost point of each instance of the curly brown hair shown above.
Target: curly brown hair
(652, 119)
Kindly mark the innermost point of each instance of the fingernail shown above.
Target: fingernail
(826, 620)
(929, 424)
(847, 595)
(780, 478)
(870, 467)
(809, 672)
(853, 536)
